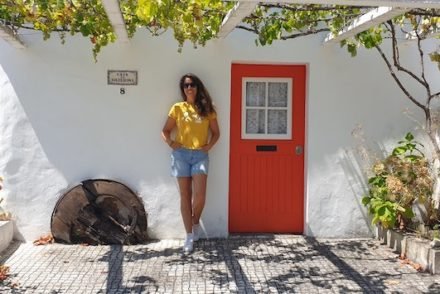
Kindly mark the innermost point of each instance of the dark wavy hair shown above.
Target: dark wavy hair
(203, 101)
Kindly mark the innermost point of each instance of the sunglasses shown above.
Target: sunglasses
(189, 85)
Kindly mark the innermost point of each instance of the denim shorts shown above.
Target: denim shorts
(188, 162)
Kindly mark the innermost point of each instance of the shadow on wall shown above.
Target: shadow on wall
(357, 164)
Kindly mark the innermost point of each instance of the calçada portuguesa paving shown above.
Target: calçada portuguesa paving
(239, 264)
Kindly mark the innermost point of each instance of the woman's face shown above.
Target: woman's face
(189, 88)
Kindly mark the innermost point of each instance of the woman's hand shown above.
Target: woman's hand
(206, 148)
(174, 145)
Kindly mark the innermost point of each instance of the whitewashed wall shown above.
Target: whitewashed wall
(60, 123)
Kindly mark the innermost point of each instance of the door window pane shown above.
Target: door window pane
(277, 94)
(255, 93)
(255, 121)
(276, 121)
(266, 108)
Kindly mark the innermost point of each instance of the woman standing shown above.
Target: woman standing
(193, 118)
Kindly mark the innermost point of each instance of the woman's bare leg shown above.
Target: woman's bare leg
(186, 210)
(199, 181)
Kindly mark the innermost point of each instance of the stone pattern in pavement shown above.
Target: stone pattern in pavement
(242, 264)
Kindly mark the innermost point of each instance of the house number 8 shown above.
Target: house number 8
(122, 91)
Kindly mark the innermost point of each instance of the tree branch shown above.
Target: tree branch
(422, 62)
(396, 57)
(426, 109)
(434, 95)
(306, 7)
(293, 36)
(396, 79)
(418, 11)
(273, 17)
(247, 29)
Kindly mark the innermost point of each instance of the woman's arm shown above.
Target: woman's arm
(166, 133)
(215, 135)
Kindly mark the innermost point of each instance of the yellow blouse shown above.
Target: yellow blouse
(192, 129)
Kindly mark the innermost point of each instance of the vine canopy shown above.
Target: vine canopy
(198, 21)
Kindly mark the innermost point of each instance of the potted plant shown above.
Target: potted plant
(401, 180)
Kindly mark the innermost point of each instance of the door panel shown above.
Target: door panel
(266, 175)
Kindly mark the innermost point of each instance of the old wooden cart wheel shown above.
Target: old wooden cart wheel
(99, 212)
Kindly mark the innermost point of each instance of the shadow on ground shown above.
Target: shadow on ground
(306, 263)
(239, 264)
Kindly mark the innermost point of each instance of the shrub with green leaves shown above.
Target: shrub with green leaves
(398, 181)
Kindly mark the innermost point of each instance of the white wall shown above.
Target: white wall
(60, 123)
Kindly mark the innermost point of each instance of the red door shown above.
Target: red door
(266, 170)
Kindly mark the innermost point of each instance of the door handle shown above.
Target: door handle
(299, 150)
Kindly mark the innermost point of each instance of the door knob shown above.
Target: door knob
(299, 149)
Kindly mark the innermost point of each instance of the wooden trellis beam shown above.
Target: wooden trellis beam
(235, 16)
(364, 22)
(114, 14)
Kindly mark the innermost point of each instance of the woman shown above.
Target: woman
(193, 118)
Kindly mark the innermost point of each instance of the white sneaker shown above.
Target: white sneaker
(196, 232)
(189, 243)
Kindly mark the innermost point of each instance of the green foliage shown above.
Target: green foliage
(402, 178)
(435, 57)
(86, 17)
(273, 22)
(195, 20)
(199, 21)
(435, 234)
(277, 22)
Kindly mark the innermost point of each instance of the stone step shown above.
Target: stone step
(416, 249)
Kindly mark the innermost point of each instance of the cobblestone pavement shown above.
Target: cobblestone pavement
(254, 264)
